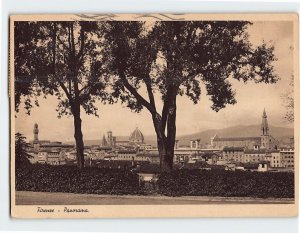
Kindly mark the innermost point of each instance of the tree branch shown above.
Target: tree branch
(64, 45)
(83, 88)
(133, 91)
(65, 90)
(73, 40)
(86, 95)
(169, 98)
(69, 39)
(54, 65)
(70, 86)
(164, 115)
(148, 83)
(80, 53)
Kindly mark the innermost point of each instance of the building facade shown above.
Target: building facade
(265, 141)
(287, 157)
(135, 140)
(52, 157)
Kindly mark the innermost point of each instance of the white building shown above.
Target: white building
(287, 157)
(52, 157)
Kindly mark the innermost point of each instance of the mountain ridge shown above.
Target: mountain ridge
(280, 133)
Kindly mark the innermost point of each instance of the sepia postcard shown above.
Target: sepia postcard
(154, 115)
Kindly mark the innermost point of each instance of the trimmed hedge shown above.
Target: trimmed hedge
(92, 180)
(227, 184)
(47, 178)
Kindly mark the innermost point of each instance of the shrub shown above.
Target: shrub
(47, 178)
(93, 180)
(227, 184)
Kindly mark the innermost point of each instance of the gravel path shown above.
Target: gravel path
(40, 198)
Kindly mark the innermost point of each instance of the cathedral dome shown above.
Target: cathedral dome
(136, 136)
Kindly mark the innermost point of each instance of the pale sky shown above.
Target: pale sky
(251, 100)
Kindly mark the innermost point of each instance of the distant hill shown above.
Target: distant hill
(279, 133)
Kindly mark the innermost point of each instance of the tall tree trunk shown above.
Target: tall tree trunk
(165, 143)
(171, 132)
(78, 137)
(166, 154)
(165, 146)
(161, 142)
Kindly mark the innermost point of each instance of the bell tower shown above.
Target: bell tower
(104, 142)
(264, 125)
(36, 132)
(109, 138)
(265, 133)
(36, 144)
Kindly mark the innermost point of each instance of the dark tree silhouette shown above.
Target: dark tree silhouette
(61, 59)
(172, 58)
(21, 155)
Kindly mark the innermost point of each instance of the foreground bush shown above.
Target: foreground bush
(47, 178)
(227, 184)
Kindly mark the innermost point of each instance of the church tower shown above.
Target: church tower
(36, 144)
(265, 134)
(264, 125)
(104, 142)
(109, 138)
(36, 132)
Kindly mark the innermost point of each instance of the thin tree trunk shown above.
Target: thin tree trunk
(162, 150)
(171, 132)
(166, 153)
(78, 137)
(166, 162)
(165, 144)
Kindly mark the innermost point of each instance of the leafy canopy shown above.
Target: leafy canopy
(21, 155)
(181, 55)
(62, 59)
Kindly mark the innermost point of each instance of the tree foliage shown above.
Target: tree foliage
(174, 58)
(60, 59)
(21, 155)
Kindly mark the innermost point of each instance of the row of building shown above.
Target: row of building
(283, 158)
(222, 151)
(58, 153)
